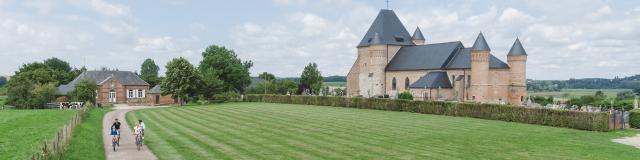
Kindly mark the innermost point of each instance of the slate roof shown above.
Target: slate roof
(435, 79)
(462, 60)
(417, 35)
(155, 89)
(124, 77)
(517, 49)
(420, 57)
(480, 44)
(449, 55)
(389, 28)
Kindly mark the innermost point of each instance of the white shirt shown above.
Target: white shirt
(142, 125)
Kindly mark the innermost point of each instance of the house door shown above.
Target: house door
(112, 96)
(157, 99)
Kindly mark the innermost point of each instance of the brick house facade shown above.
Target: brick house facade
(118, 87)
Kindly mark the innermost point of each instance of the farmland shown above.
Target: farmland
(566, 94)
(22, 132)
(283, 131)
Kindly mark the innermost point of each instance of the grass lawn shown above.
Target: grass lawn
(22, 132)
(566, 94)
(283, 131)
(87, 137)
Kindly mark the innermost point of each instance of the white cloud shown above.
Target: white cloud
(154, 44)
(103, 7)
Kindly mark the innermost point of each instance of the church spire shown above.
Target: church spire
(517, 49)
(480, 44)
(417, 35)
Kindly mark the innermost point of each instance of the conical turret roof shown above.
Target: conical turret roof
(417, 35)
(517, 49)
(480, 44)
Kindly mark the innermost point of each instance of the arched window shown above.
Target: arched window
(406, 83)
(393, 84)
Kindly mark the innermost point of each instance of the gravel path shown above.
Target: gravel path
(632, 141)
(127, 149)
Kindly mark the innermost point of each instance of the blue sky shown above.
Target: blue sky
(564, 39)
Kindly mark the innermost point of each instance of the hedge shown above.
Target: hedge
(634, 118)
(540, 116)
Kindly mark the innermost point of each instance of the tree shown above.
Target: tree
(268, 79)
(625, 95)
(3, 81)
(57, 64)
(149, 72)
(312, 78)
(210, 85)
(19, 90)
(636, 90)
(181, 79)
(227, 67)
(42, 94)
(405, 95)
(85, 91)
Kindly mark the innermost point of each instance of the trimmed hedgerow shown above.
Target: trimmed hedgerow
(540, 116)
(634, 118)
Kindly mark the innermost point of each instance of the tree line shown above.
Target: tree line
(630, 82)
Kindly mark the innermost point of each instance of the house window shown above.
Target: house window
(468, 80)
(406, 83)
(521, 98)
(130, 94)
(140, 94)
(393, 84)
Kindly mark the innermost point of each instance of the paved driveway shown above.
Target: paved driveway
(127, 149)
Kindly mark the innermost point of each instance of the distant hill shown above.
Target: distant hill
(584, 83)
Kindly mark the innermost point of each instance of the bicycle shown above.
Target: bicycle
(139, 141)
(113, 143)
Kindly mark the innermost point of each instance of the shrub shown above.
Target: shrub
(405, 95)
(634, 118)
(540, 116)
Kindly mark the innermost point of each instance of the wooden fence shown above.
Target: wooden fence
(55, 149)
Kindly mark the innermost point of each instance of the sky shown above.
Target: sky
(564, 39)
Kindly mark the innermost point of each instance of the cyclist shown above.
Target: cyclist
(114, 135)
(117, 125)
(142, 127)
(137, 131)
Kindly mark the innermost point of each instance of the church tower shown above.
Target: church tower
(480, 70)
(517, 59)
(381, 42)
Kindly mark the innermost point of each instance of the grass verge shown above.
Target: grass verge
(87, 137)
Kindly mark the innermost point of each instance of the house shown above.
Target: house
(390, 61)
(118, 87)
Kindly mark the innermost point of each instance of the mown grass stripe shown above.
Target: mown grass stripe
(154, 140)
(374, 141)
(326, 136)
(303, 148)
(402, 144)
(188, 123)
(186, 143)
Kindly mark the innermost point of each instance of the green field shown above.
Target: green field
(87, 137)
(335, 84)
(566, 94)
(22, 132)
(283, 131)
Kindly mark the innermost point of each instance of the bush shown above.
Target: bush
(634, 118)
(405, 95)
(540, 116)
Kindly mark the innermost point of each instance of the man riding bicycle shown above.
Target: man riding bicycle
(114, 136)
